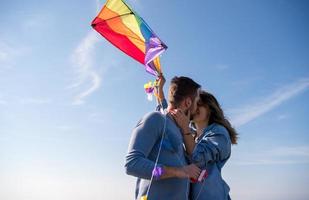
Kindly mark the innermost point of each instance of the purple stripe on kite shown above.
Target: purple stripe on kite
(151, 68)
(154, 47)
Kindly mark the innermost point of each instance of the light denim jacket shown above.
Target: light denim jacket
(211, 152)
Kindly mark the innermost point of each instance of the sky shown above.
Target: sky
(69, 99)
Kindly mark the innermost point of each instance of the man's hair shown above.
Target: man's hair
(181, 88)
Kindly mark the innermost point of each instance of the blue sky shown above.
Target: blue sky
(69, 99)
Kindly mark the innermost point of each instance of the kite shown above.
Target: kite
(126, 30)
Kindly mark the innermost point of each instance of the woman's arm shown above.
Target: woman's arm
(214, 146)
(159, 92)
(189, 143)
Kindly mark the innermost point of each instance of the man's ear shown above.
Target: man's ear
(188, 102)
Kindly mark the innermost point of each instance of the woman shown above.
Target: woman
(209, 148)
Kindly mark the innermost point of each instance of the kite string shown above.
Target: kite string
(157, 159)
(199, 193)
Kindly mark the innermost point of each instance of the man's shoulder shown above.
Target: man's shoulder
(154, 117)
(153, 121)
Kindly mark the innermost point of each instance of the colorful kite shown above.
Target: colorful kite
(125, 29)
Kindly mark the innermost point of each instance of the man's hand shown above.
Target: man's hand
(189, 171)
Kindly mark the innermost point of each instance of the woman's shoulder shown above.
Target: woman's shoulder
(216, 128)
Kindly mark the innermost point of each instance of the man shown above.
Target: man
(170, 178)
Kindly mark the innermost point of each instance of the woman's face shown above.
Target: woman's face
(202, 113)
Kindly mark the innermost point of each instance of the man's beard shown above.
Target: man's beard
(191, 115)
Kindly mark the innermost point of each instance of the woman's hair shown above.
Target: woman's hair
(216, 114)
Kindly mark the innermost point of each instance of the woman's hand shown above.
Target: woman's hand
(159, 89)
(161, 81)
(182, 120)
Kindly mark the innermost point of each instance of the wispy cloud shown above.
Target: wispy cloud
(275, 156)
(82, 58)
(88, 77)
(248, 113)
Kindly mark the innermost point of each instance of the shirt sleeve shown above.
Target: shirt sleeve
(213, 147)
(163, 105)
(144, 136)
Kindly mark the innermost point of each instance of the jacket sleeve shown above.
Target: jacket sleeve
(214, 146)
(144, 136)
(163, 105)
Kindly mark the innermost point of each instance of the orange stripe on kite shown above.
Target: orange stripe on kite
(118, 40)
